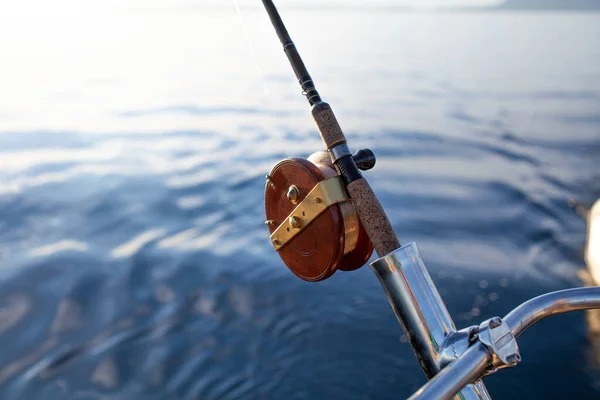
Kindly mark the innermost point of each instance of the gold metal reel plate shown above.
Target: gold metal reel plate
(322, 196)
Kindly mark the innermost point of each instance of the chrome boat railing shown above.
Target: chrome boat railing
(455, 361)
(420, 310)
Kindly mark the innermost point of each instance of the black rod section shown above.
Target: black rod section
(308, 86)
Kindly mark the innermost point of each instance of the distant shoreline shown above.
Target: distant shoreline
(426, 10)
(382, 8)
(443, 10)
(315, 6)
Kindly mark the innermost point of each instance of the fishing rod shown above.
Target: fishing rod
(323, 216)
(371, 213)
(289, 47)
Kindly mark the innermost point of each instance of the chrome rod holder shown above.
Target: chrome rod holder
(420, 310)
(495, 351)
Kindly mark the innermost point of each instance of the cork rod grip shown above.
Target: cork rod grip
(369, 209)
(329, 128)
(373, 218)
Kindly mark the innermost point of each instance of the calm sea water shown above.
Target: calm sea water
(133, 148)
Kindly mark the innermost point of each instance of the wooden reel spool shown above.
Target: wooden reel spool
(313, 238)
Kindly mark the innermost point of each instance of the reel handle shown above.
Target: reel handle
(371, 213)
(364, 159)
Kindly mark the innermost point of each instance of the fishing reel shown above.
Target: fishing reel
(314, 225)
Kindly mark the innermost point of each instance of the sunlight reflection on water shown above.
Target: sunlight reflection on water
(133, 146)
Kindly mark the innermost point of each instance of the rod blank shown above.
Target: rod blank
(289, 47)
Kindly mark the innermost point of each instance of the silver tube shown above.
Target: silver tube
(420, 309)
(469, 367)
(551, 304)
(476, 360)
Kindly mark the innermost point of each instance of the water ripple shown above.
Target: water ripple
(134, 258)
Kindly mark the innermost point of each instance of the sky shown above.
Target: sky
(79, 65)
(45, 7)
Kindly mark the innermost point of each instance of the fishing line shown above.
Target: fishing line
(250, 45)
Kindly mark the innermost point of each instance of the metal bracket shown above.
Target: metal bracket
(494, 334)
(320, 198)
(455, 344)
(497, 336)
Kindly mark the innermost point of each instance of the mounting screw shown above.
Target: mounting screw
(513, 359)
(495, 322)
(276, 242)
(317, 200)
(269, 180)
(295, 222)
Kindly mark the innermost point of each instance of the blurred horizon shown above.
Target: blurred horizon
(74, 6)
